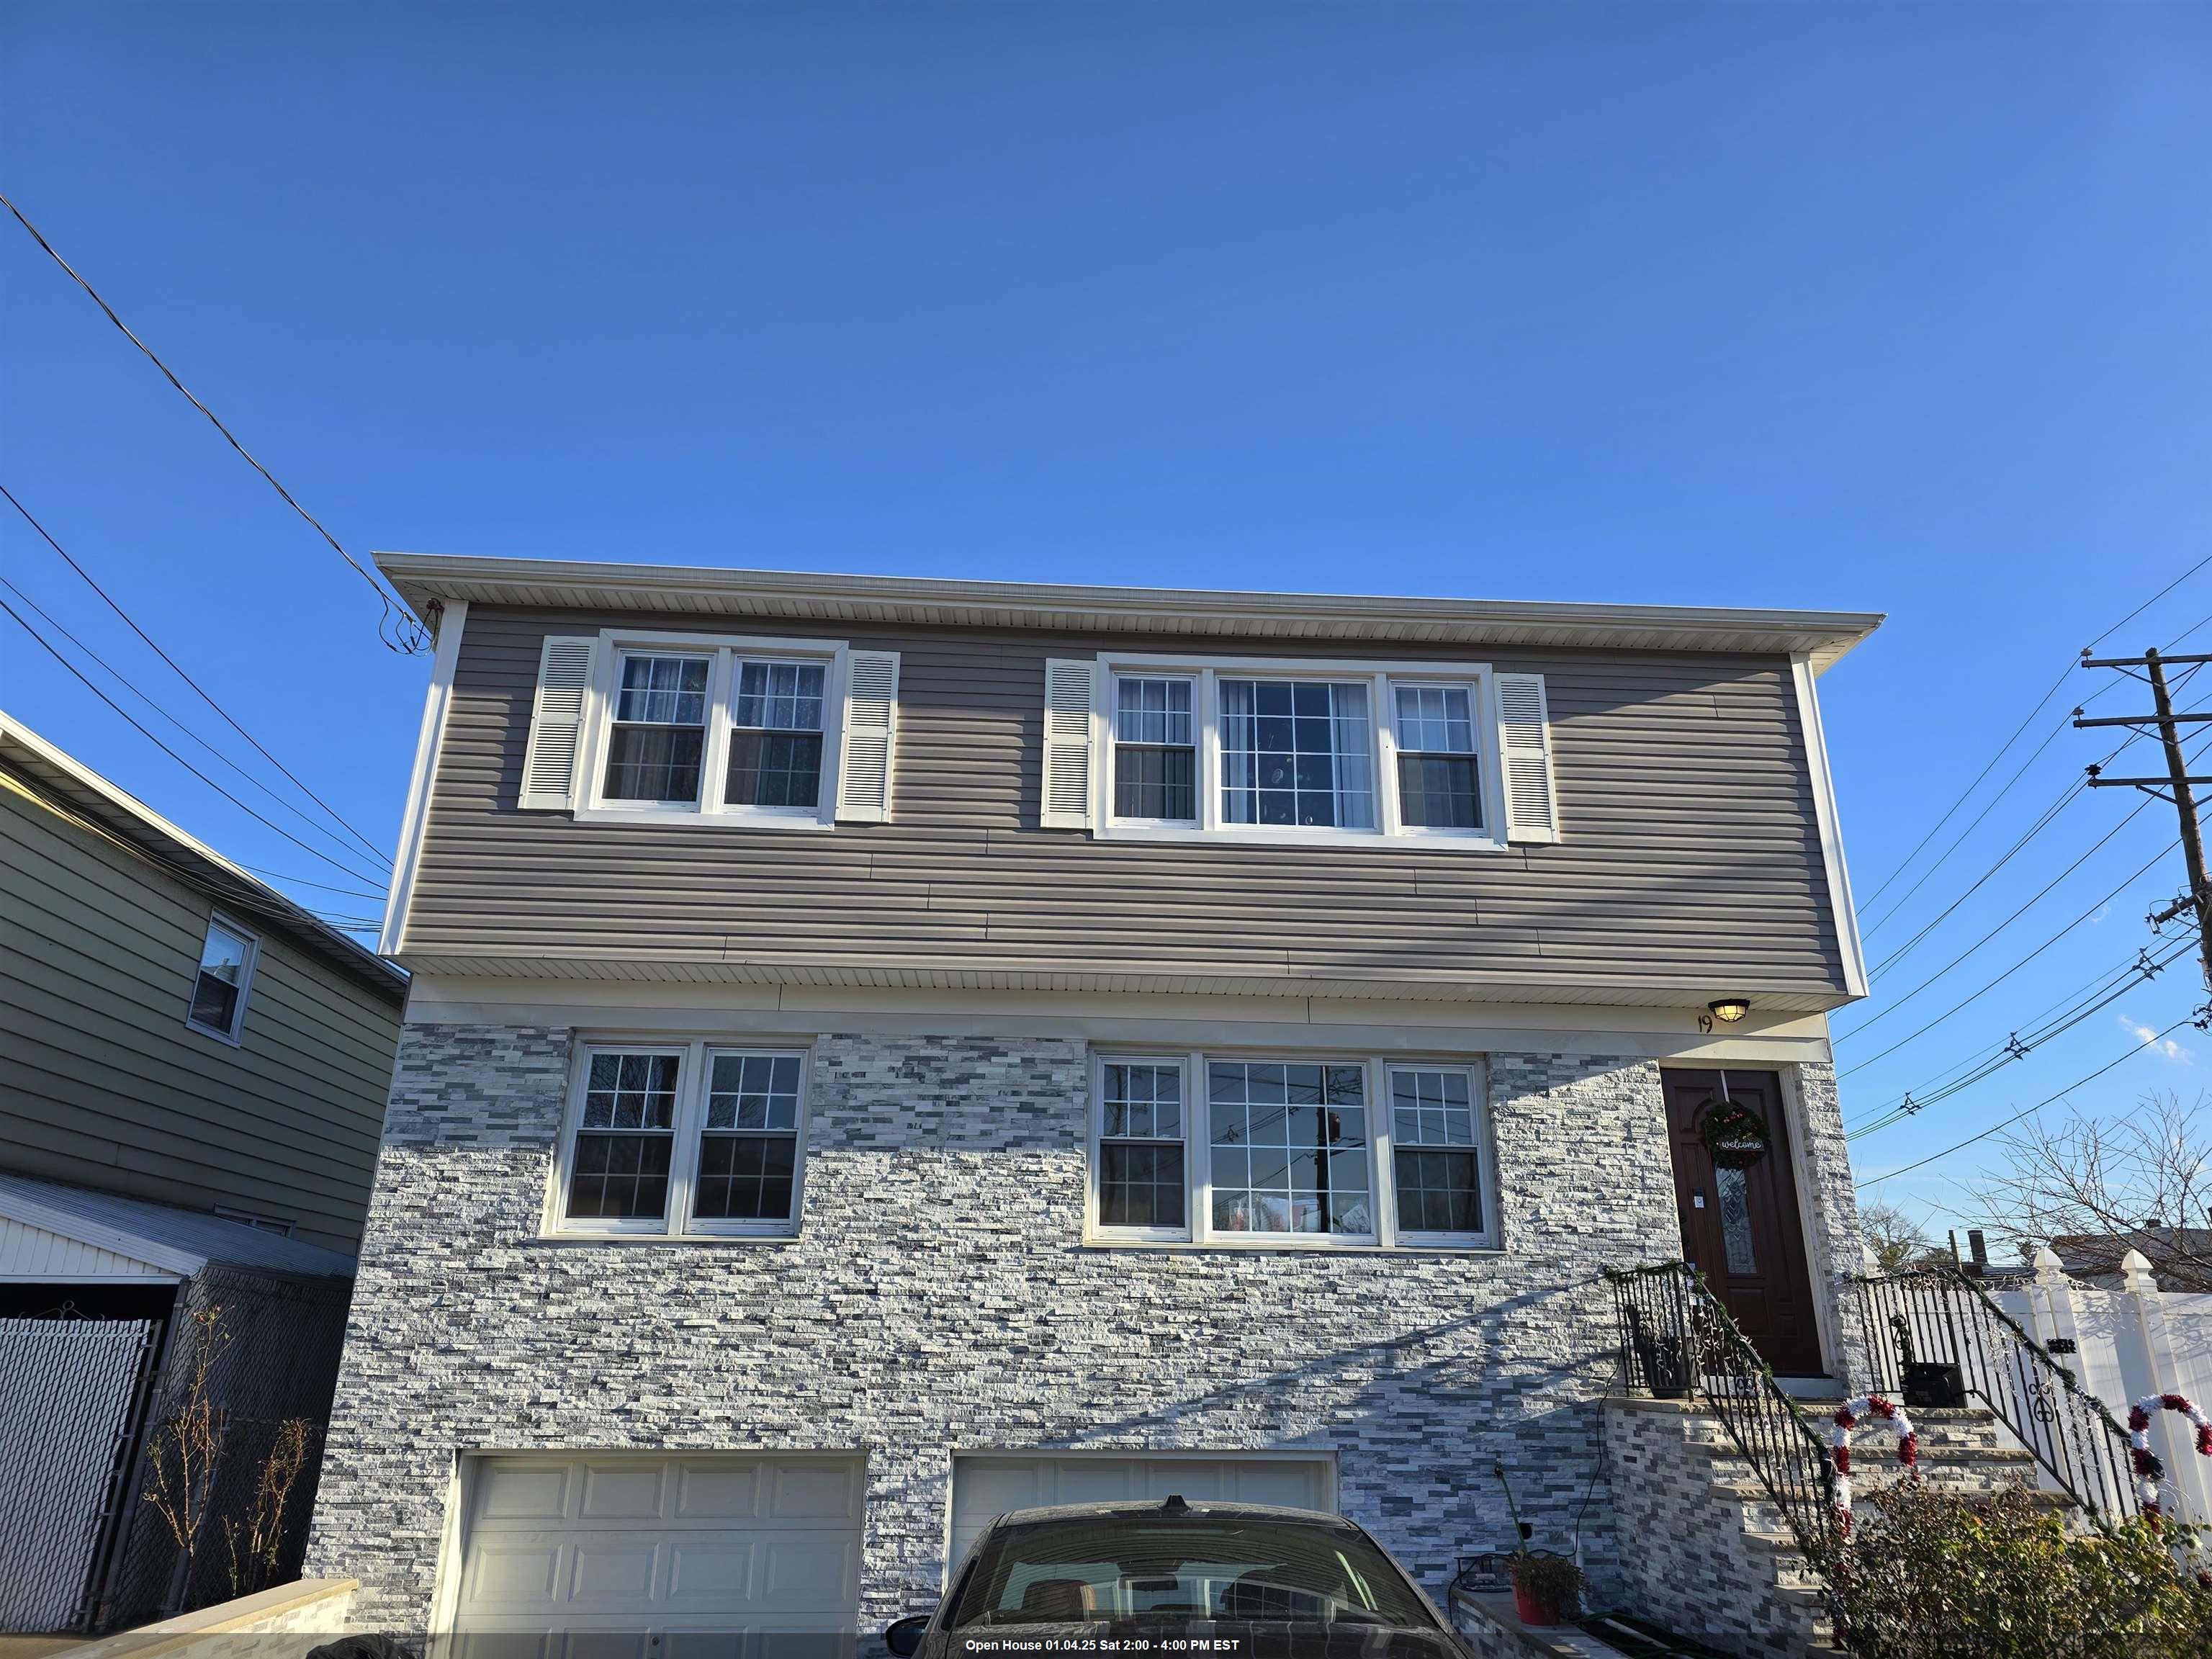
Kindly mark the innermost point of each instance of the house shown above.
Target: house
(192, 1078)
(882, 1052)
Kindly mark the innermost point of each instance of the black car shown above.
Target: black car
(1177, 1579)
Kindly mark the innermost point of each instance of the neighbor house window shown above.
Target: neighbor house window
(1289, 1152)
(682, 1139)
(1325, 751)
(1155, 751)
(219, 988)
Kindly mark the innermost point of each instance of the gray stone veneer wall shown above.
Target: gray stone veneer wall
(940, 1298)
(1832, 1210)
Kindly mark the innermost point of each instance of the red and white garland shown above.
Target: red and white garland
(1839, 1439)
(2150, 1469)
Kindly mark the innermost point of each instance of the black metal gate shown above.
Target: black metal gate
(73, 1397)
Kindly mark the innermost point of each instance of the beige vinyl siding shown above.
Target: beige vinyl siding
(1690, 853)
(102, 1084)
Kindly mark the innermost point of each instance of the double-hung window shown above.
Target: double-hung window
(744, 733)
(1155, 750)
(682, 1138)
(1323, 751)
(659, 736)
(1289, 1152)
(227, 956)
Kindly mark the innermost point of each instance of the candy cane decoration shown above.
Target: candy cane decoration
(1839, 1440)
(2150, 1468)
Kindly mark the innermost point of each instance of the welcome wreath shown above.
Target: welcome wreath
(1737, 1136)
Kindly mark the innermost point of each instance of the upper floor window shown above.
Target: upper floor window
(1293, 750)
(673, 1138)
(659, 732)
(651, 727)
(1290, 1151)
(226, 974)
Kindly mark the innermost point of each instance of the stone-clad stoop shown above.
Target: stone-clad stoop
(1709, 1553)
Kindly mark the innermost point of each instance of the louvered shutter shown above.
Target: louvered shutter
(1066, 800)
(864, 774)
(556, 725)
(1532, 811)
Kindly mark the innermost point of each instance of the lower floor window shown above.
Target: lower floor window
(1290, 1150)
(682, 1137)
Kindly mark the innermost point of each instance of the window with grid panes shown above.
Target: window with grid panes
(1141, 1166)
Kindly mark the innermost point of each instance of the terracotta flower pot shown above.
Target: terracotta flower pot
(1528, 1610)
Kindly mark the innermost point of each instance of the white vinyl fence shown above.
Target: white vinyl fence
(2128, 1343)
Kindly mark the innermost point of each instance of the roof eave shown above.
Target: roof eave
(1825, 636)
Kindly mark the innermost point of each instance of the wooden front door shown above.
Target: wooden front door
(1742, 1227)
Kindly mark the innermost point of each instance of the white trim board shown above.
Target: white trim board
(1832, 836)
(429, 740)
(1180, 1022)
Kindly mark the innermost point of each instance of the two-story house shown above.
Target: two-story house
(193, 1077)
(883, 1051)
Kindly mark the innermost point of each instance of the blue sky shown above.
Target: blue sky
(1892, 308)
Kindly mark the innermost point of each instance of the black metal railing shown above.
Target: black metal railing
(1678, 1342)
(1922, 1322)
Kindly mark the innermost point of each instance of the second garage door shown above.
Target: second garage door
(984, 1487)
(644, 1551)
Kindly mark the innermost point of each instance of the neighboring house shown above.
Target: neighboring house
(2181, 1257)
(883, 1051)
(192, 1078)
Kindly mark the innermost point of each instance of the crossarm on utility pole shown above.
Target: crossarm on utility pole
(2184, 807)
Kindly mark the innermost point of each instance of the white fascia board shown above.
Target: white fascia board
(415, 822)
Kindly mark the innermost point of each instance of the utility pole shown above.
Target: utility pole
(2176, 779)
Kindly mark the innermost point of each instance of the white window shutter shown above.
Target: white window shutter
(1532, 807)
(864, 769)
(557, 724)
(1066, 799)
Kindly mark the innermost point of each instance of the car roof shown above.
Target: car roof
(1152, 1511)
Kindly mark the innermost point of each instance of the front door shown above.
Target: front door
(1740, 1226)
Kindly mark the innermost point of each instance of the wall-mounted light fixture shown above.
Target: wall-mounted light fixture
(1728, 1010)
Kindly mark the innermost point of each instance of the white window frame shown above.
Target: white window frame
(235, 1037)
(694, 1071)
(1092, 1226)
(725, 652)
(1380, 677)
(1483, 1147)
(1198, 730)
(1381, 1169)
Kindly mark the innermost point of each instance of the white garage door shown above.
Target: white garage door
(986, 1487)
(632, 1555)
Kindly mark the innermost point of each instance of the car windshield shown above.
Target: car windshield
(1074, 1571)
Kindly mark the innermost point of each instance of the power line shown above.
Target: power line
(2005, 748)
(301, 881)
(2050, 737)
(1967, 1002)
(1984, 1134)
(2050, 813)
(1866, 1024)
(406, 633)
(2016, 1047)
(125, 681)
(49, 649)
(336, 817)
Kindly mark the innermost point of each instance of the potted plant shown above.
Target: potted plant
(1545, 1586)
